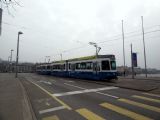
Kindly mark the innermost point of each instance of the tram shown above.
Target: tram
(101, 67)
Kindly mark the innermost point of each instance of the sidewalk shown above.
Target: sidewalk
(151, 85)
(14, 104)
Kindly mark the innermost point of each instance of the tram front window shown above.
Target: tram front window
(105, 65)
(113, 65)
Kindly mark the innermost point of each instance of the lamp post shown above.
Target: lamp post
(19, 33)
(11, 55)
(11, 60)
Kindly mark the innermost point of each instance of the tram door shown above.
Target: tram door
(95, 68)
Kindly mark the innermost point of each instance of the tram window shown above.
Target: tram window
(73, 66)
(113, 65)
(69, 65)
(62, 67)
(43, 67)
(48, 67)
(89, 65)
(105, 65)
(78, 66)
(83, 65)
(53, 67)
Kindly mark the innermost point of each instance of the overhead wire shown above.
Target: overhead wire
(116, 37)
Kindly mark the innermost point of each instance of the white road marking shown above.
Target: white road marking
(74, 86)
(52, 109)
(96, 92)
(108, 95)
(84, 91)
(150, 94)
(70, 81)
(46, 82)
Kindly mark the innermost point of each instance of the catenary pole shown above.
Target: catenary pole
(144, 48)
(132, 63)
(123, 50)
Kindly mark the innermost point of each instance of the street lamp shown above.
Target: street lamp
(19, 33)
(97, 48)
(11, 55)
(11, 60)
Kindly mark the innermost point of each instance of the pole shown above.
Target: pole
(61, 56)
(132, 63)
(123, 50)
(11, 60)
(17, 56)
(45, 60)
(8, 63)
(96, 52)
(144, 48)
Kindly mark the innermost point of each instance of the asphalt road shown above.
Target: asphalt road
(55, 98)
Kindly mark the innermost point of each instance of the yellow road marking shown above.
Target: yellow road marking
(54, 117)
(54, 97)
(125, 112)
(146, 98)
(155, 95)
(156, 109)
(88, 114)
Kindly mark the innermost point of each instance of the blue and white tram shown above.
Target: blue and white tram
(91, 67)
(44, 69)
(59, 68)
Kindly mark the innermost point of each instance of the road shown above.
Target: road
(55, 98)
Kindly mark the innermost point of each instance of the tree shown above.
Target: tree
(9, 4)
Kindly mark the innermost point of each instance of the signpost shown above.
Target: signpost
(133, 61)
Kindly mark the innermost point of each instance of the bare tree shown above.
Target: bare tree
(9, 4)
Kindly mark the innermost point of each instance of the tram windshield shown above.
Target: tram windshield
(105, 65)
(113, 65)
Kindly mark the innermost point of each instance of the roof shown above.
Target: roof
(85, 58)
(91, 57)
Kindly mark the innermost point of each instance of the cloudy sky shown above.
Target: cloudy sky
(54, 27)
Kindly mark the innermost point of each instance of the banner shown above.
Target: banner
(134, 59)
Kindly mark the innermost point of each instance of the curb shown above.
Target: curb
(124, 87)
(28, 103)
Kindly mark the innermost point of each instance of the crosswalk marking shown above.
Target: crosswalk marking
(146, 98)
(89, 115)
(150, 94)
(125, 112)
(54, 117)
(149, 107)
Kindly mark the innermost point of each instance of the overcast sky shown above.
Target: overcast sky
(52, 27)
